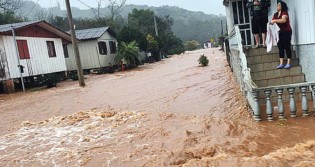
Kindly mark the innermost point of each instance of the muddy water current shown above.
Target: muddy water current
(171, 112)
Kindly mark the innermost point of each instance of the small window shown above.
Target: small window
(65, 50)
(112, 46)
(51, 49)
(23, 49)
(102, 48)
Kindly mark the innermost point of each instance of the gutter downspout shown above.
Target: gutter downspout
(18, 58)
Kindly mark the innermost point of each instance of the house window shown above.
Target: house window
(102, 48)
(112, 46)
(65, 50)
(51, 49)
(23, 49)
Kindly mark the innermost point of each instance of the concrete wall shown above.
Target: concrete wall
(306, 55)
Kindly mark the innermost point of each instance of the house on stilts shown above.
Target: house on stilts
(28, 50)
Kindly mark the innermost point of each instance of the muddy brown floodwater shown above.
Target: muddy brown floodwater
(169, 113)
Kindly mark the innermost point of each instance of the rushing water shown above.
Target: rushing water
(169, 113)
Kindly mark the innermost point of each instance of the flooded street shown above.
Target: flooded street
(168, 113)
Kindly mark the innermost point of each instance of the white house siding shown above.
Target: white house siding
(39, 62)
(110, 57)
(229, 18)
(89, 54)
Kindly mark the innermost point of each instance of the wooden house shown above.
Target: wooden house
(38, 47)
(97, 47)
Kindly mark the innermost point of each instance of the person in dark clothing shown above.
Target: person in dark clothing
(259, 15)
(281, 18)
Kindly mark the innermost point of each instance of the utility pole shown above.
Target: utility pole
(75, 45)
(221, 28)
(157, 33)
(18, 58)
(155, 26)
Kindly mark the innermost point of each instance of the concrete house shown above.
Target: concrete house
(37, 47)
(97, 47)
(262, 84)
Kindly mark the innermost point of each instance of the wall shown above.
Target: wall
(39, 62)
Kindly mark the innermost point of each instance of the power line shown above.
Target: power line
(93, 9)
(32, 8)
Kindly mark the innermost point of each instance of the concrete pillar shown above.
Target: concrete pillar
(304, 101)
(269, 108)
(292, 102)
(280, 103)
(256, 108)
(8, 86)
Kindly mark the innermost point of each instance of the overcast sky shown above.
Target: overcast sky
(206, 6)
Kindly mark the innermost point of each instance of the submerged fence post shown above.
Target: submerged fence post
(269, 109)
(304, 101)
(292, 102)
(257, 106)
(280, 103)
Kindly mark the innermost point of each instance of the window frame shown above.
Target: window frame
(51, 45)
(65, 50)
(112, 47)
(102, 47)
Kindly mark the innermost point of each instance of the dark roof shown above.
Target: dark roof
(7, 28)
(93, 33)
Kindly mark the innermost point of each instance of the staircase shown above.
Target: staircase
(264, 70)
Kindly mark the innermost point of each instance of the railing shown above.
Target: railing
(279, 91)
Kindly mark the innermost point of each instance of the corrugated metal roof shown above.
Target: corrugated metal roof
(8, 27)
(90, 33)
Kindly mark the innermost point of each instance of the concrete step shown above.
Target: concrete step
(265, 58)
(257, 67)
(276, 73)
(284, 80)
(260, 51)
(263, 51)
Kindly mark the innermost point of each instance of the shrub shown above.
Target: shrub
(203, 60)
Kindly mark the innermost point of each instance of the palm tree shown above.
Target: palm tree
(130, 53)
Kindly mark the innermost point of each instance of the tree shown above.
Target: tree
(130, 53)
(115, 7)
(191, 45)
(9, 17)
(170, 44)
(142, 20)
(128, 34)
(9, 5)
(153, 47)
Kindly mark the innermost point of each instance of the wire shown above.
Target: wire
(32, 8)
(93, 9)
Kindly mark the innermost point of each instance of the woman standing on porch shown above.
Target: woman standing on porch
(281, 18)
